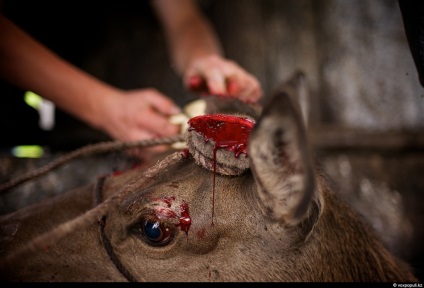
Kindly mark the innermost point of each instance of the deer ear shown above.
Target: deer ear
(280, 160)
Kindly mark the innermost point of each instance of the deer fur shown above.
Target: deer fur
(278, 221)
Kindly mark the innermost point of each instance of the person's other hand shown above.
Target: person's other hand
(213, 75)
(137, 115)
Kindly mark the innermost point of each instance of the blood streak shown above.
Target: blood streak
(184, 219)
(186, 153)
(227, 132)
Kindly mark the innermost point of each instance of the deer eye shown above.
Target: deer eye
(154, 231)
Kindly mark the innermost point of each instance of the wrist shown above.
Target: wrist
(100, 105)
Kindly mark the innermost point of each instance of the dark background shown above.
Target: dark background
(366, 103)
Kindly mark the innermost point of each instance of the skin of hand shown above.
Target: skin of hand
(137, 114)
(127, 115)
(197, 54)
(123, 115)
(214, 75)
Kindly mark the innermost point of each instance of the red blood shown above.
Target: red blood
(186, 153)
(116, 173)
(185, 220)
(233, 88)
(198, 84)
(168, 200)
(227, 132)
(194, 81)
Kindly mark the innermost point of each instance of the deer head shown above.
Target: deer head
(274, 219)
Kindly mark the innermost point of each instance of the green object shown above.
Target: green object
(28, 151)
(33, 99)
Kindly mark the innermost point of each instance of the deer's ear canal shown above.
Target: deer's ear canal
(281, 162)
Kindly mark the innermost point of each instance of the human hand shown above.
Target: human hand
(137, 115)
(215, 75)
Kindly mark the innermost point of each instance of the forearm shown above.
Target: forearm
(189, 34)
(29, 65)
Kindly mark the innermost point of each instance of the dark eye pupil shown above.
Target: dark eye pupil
(152, 230)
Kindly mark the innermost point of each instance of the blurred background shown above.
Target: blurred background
(366, 106)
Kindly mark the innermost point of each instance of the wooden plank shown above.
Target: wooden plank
(331, 137)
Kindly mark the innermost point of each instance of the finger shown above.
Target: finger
(233, 86)
(161, 103)
(242, 84)
(138, 134)
(251, 90)
(197, 84)
(206, 81)
(255, 93)
(215, 81)
(192, 79)
(157, 124)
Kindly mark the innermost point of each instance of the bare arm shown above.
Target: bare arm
(123, 115)
(189, 33)
(29, 65)
(197, 54)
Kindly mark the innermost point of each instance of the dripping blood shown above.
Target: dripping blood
(227, 132)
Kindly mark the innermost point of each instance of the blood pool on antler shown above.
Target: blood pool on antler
(218, 142)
